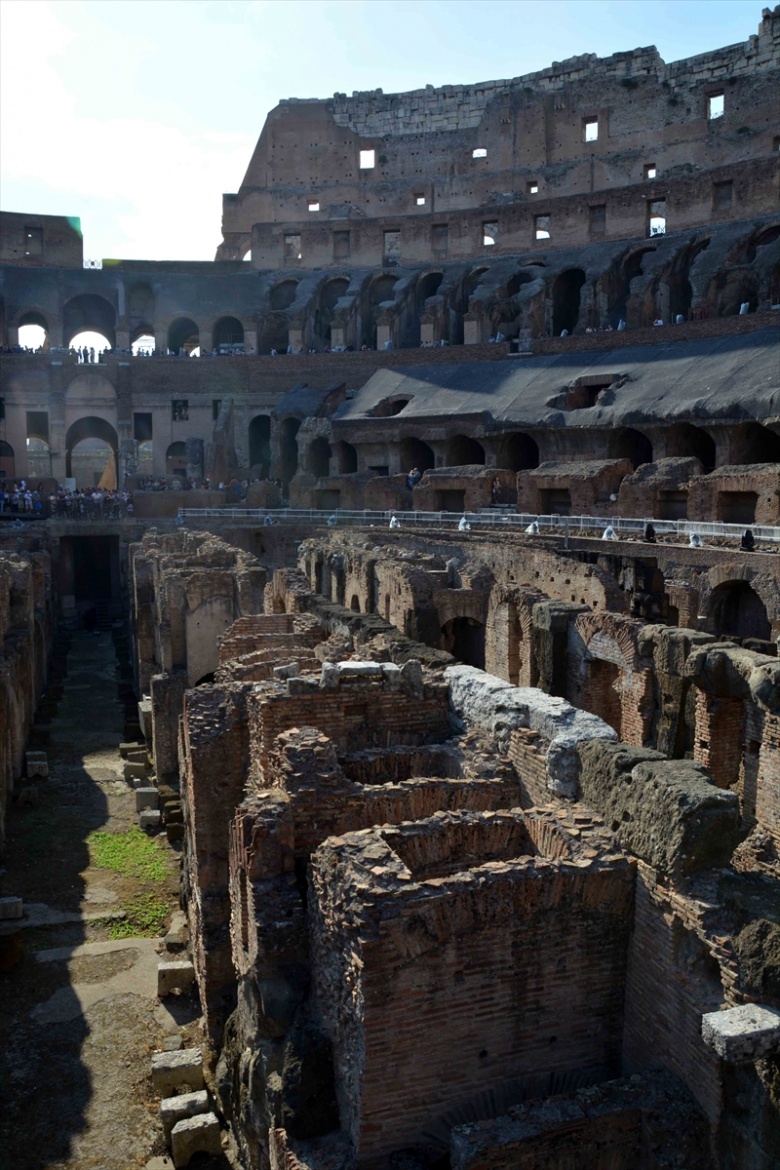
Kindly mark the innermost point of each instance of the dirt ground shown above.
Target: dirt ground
(79, 1015)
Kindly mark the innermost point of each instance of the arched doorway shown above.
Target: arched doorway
(517, 452)
(464, 638)
(7, 462)
(228, 332)
(260, 444)
(283, 294)
(462, 450)
(274, 334)
(176, 460)
(319, 458)
(33, 330)
(626, 443)
(415, 453)
(288, 449)
(755, 443)
(88, 313)
(346, 458)
(380, 290)
(183, 336)
(736, 610)
(567, 290)
(91, 461)
(330, 294)
(686, 440)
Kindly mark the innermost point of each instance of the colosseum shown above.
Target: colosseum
(410, 572)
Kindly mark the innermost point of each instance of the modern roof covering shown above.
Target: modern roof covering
(728, 378)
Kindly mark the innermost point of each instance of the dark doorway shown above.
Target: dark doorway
(260, 444)
(686, 440)
(415, 453)
(566, 300)
(627, 443)
(464, 638)
(737, 610)
(462, 451)
(95, 568)
(289, 449)
(517, 452)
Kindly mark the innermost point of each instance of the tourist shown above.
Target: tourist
(394, 522)
(533, 528)
(748, 542)
(609, 533)
(650, 534)
(463, 524)
(695, 540)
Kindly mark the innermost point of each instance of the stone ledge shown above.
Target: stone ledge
(742, 1034)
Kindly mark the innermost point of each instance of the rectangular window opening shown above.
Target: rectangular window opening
(489, 234)
(722, 194)
(180, 409)
(392, 249)
(656, 217)
(590, 129)
(598, 220)
(367, 160)
(142, 426)
(419, 200)
(716, 105)
(533, 187)
(479, 152)
(292, 246)
(216, 406)
(542, 227)
(440, 239)
(650, 170)
(314, 205)
(341, 245)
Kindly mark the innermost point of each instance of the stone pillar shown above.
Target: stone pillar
(427, 331)
(194, 458)
(295, 338)
(337, 333)
(719, 737)
(161, 339)
(471, 329)
(206, 340)
(250, 341)
(382, 335)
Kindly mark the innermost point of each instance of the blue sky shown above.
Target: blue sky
(137, 114)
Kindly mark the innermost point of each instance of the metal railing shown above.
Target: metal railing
(489, 519)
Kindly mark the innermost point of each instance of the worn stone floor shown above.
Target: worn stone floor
(79, 1016)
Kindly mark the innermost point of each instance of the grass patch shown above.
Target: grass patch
(131, 854)
(146, 918)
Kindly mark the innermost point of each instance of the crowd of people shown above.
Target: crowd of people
(22, 499)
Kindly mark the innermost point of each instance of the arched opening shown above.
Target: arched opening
(176, 460)
(260, 445)
(415, 453)
(566, 300)
(736, 610)
(379, 291)
(88, 313)
(288, 449)
(626, 443)
(427, 286)
(247, 256)
(38, 458)
(730, 290)
(389, 407)
(7, 462)
(319, 458)
(686, 440)
(462, 450)
(330, 294)
(517, 452)
(33, 331)
(755, 443)
(620, 286)
(142, 341)
(275, 334)
(763, 236)
(283, 294)
(183, 336)
(464, 638)
(228, 331)
(346, 458)
(97, 443)
(467, 289)
(354, 603)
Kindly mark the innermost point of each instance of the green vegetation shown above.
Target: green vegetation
(134, 855)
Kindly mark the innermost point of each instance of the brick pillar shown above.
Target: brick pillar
(719, 735)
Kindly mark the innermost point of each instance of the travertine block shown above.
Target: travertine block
(176, 1109)
(744, 1033)
(172, 1070)
(195, 1135)
(178, 975)
(146, 798)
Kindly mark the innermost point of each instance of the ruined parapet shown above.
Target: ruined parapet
(587, 487)
(421, 921)
(667, 812)
(541, 733)
(659, 490)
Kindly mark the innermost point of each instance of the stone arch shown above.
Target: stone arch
(735, 609)
(36, 319)
(678, 281)
(379, 290)
(427, 285)
(318, 457)
(517, 451)
(227, 331)
(288, 449)
(566, 296)
(468, 287)
(416, 453)
(90, 427)
(730, 288)
(7, 462)
(756, 443)
(618, 283)
(628, 443)
(283, 294)
(275, 333)
(461, 450)
(184, 334)
(328, 296)
(685, 440)
(176, 459)
(346, 457)
(260, 444)
(91, 312)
